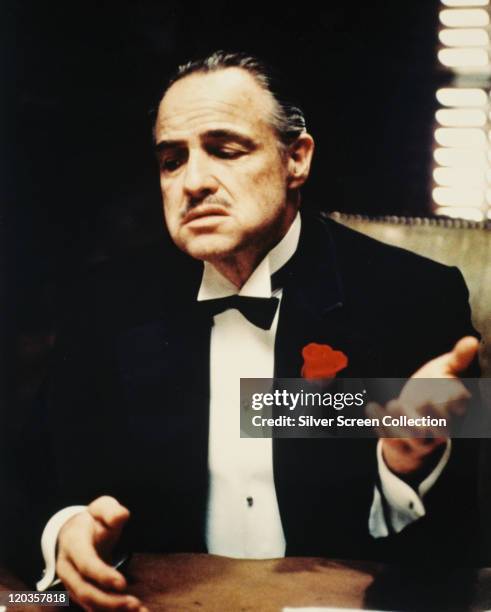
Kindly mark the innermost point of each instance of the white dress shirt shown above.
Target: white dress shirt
(243, 518)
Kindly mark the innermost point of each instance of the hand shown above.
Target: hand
(411, 455)
(83, 542)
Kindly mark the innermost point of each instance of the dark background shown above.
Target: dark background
(80, 81)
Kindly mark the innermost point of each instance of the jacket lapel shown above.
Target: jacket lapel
(311, 474)
(312, 307)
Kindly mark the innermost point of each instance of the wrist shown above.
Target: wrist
(412, 460)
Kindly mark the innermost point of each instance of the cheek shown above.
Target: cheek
(269, 189)
(170, 203)
(171, 216)
(270, 176)
(262, 183)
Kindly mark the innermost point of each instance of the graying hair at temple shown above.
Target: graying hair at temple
(288, 120)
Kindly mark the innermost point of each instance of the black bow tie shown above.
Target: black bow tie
(257, 310)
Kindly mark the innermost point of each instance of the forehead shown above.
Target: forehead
(229, 99)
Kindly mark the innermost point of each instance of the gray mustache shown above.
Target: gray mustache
(211, 200)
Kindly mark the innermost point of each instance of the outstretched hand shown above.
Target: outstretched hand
(450, 365)
(409, 455)
(84, 545)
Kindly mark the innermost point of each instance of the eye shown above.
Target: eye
(170, 164)
(227, 152)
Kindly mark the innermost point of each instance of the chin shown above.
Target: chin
(208, 248)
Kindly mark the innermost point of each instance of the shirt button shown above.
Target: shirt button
(250, 501)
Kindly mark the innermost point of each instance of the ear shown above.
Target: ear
(299, 156)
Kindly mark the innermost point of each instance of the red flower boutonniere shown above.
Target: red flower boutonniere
(322, 361)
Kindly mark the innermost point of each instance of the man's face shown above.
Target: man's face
(222, 176)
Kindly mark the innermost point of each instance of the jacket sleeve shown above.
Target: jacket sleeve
(448, 530)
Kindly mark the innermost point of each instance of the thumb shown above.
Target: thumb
(462, 354)
(109, 512)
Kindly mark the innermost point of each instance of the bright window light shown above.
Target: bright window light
(461, 118)
(465, 2)
(472, 214)
(454, 96)
(460, 177)
(460, 158)
(446, 196)
(462, 170)
(460, 37)
(461, 137)
(464, 18)
(463, 57)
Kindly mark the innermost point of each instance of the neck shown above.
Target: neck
(238, 267)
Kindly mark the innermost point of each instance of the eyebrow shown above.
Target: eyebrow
(230, 135)
(221, 134)
(163, 145)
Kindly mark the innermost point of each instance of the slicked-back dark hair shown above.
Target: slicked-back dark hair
(287, 120)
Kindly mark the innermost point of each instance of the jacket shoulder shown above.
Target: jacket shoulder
(380, 259)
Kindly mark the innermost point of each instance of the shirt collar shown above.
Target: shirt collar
(215, 285)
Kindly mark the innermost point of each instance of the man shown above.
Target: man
(151, 387)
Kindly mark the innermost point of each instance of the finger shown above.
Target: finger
(438, 398)
(394, 426)
(444, 410)
(372, 410)
(417, 431)
(395, 409)
(375, 411)
(89, 596)
(462, 354)
(398, 450)
(458, 407)
(378, 412)
(452, 363)
(80, 552)
(110, 517)
(418, 447)
(109, 512)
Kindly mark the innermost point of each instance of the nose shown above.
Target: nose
(199, 180)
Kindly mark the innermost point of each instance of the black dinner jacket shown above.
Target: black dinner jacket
(125, 410)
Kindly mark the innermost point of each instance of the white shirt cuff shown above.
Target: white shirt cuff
(48, 544)
(405, 504)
